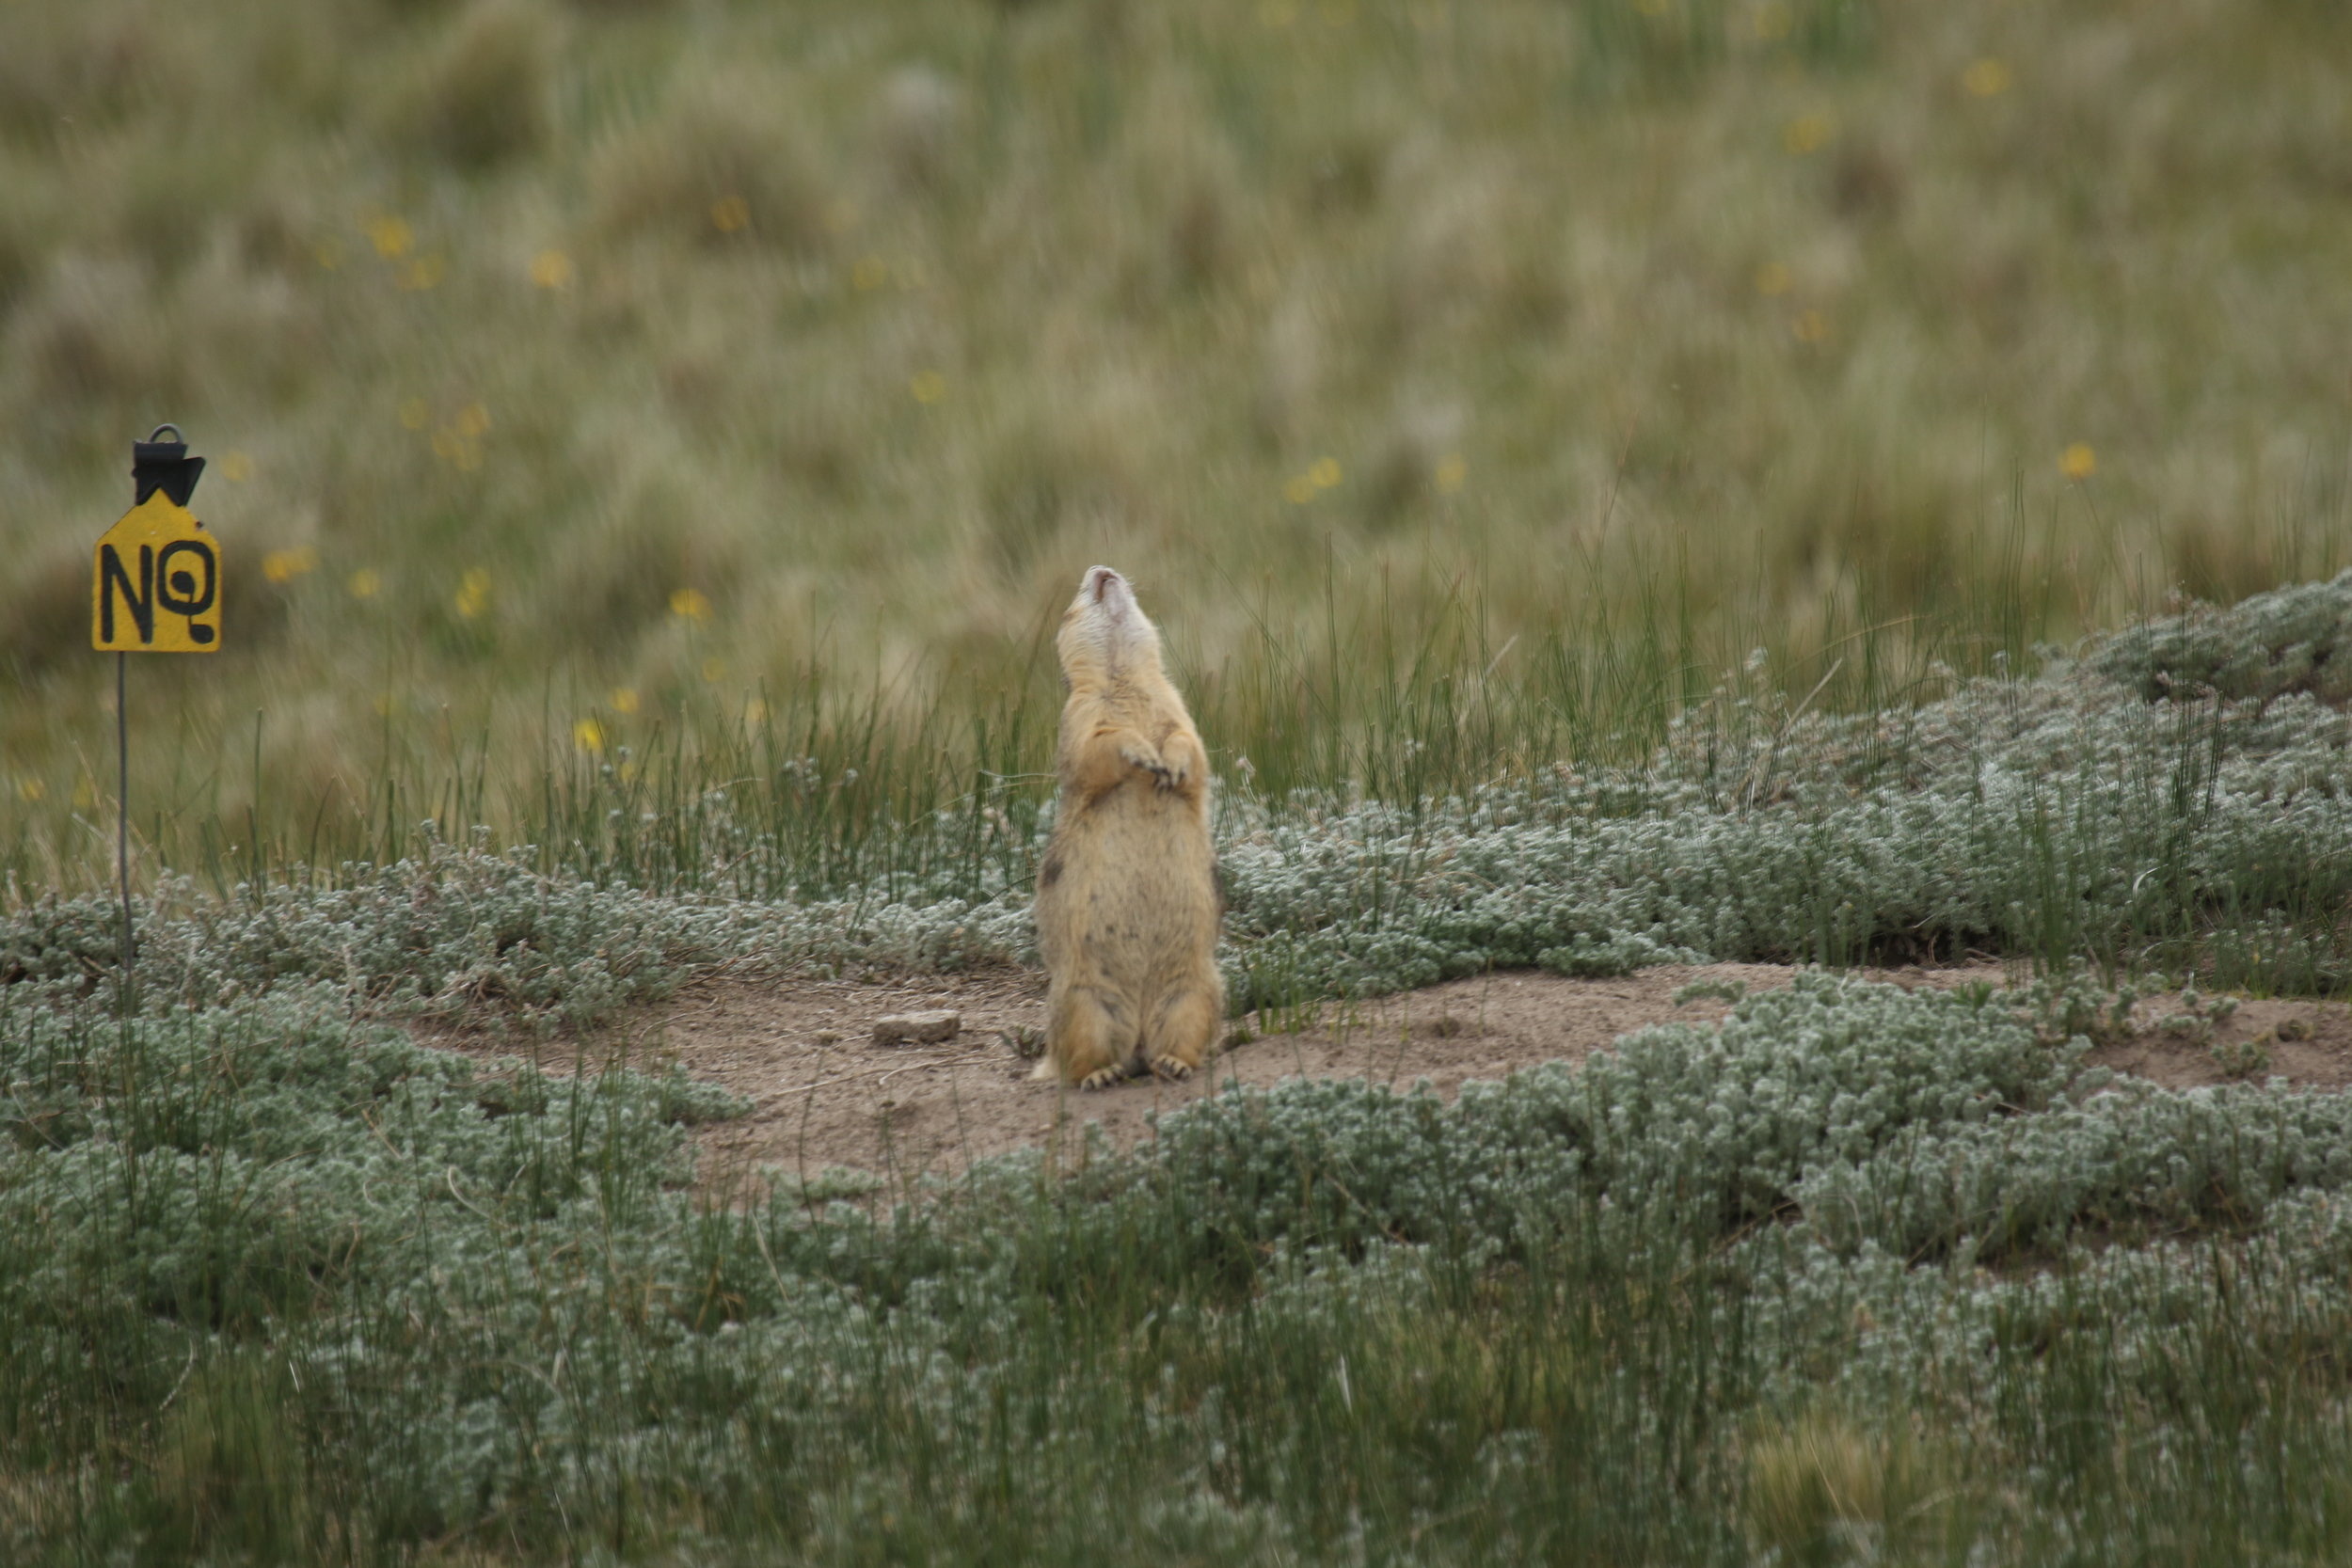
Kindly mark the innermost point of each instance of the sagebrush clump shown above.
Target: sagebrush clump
(253, 1242)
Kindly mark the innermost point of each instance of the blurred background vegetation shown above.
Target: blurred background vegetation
(1490, 378)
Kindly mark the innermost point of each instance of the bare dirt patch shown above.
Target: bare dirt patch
(824, 1095)
(2307, 1043)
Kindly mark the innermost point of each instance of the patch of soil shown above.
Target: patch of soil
(909, 1110)
(2307, 1043)
(824, 1095)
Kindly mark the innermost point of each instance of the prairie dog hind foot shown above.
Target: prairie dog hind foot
(1101, 1078)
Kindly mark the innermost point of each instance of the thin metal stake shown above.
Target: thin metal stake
(122, 805)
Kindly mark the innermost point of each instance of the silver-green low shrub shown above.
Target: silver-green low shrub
(2060, 817)
(2290, 640)
(491, 1294)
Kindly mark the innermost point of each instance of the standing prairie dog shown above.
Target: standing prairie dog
(1127, 900)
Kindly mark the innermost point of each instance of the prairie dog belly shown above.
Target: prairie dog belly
(1134, 887)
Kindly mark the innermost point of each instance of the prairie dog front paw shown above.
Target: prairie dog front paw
(1137, 753)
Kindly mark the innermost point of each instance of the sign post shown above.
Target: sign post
(155, 589)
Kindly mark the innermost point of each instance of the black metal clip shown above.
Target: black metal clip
(160, 465)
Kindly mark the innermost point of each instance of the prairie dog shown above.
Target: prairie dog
(1127, 900)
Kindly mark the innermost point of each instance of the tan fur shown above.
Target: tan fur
(1127, 900)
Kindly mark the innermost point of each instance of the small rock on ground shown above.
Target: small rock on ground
(923, 1028)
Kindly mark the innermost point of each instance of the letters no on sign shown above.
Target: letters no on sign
(155, 583)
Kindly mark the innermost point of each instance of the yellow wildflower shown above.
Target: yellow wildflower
(1772, 279)
(392, 236)
(286, 566)
(236, 467)
(1808, 133)
(588, 736)
(929, 387)
(623, 699)
(363, 584)
(551, 269)
(2078, 462)
(689, 604)
(1450, 472)
(473, 594)
(730, 215)
(1986, 78)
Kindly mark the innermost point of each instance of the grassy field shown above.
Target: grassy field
(573, 374)
(1622, 482)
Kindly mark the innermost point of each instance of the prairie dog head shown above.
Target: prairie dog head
(1105, 634)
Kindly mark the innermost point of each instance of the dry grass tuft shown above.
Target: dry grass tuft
(725, 165)
(484, 95)
(1821, 1488)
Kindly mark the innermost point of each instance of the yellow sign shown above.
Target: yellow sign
(157, 588)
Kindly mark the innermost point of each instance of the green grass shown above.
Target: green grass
(1367, 702)
(1631, 340)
